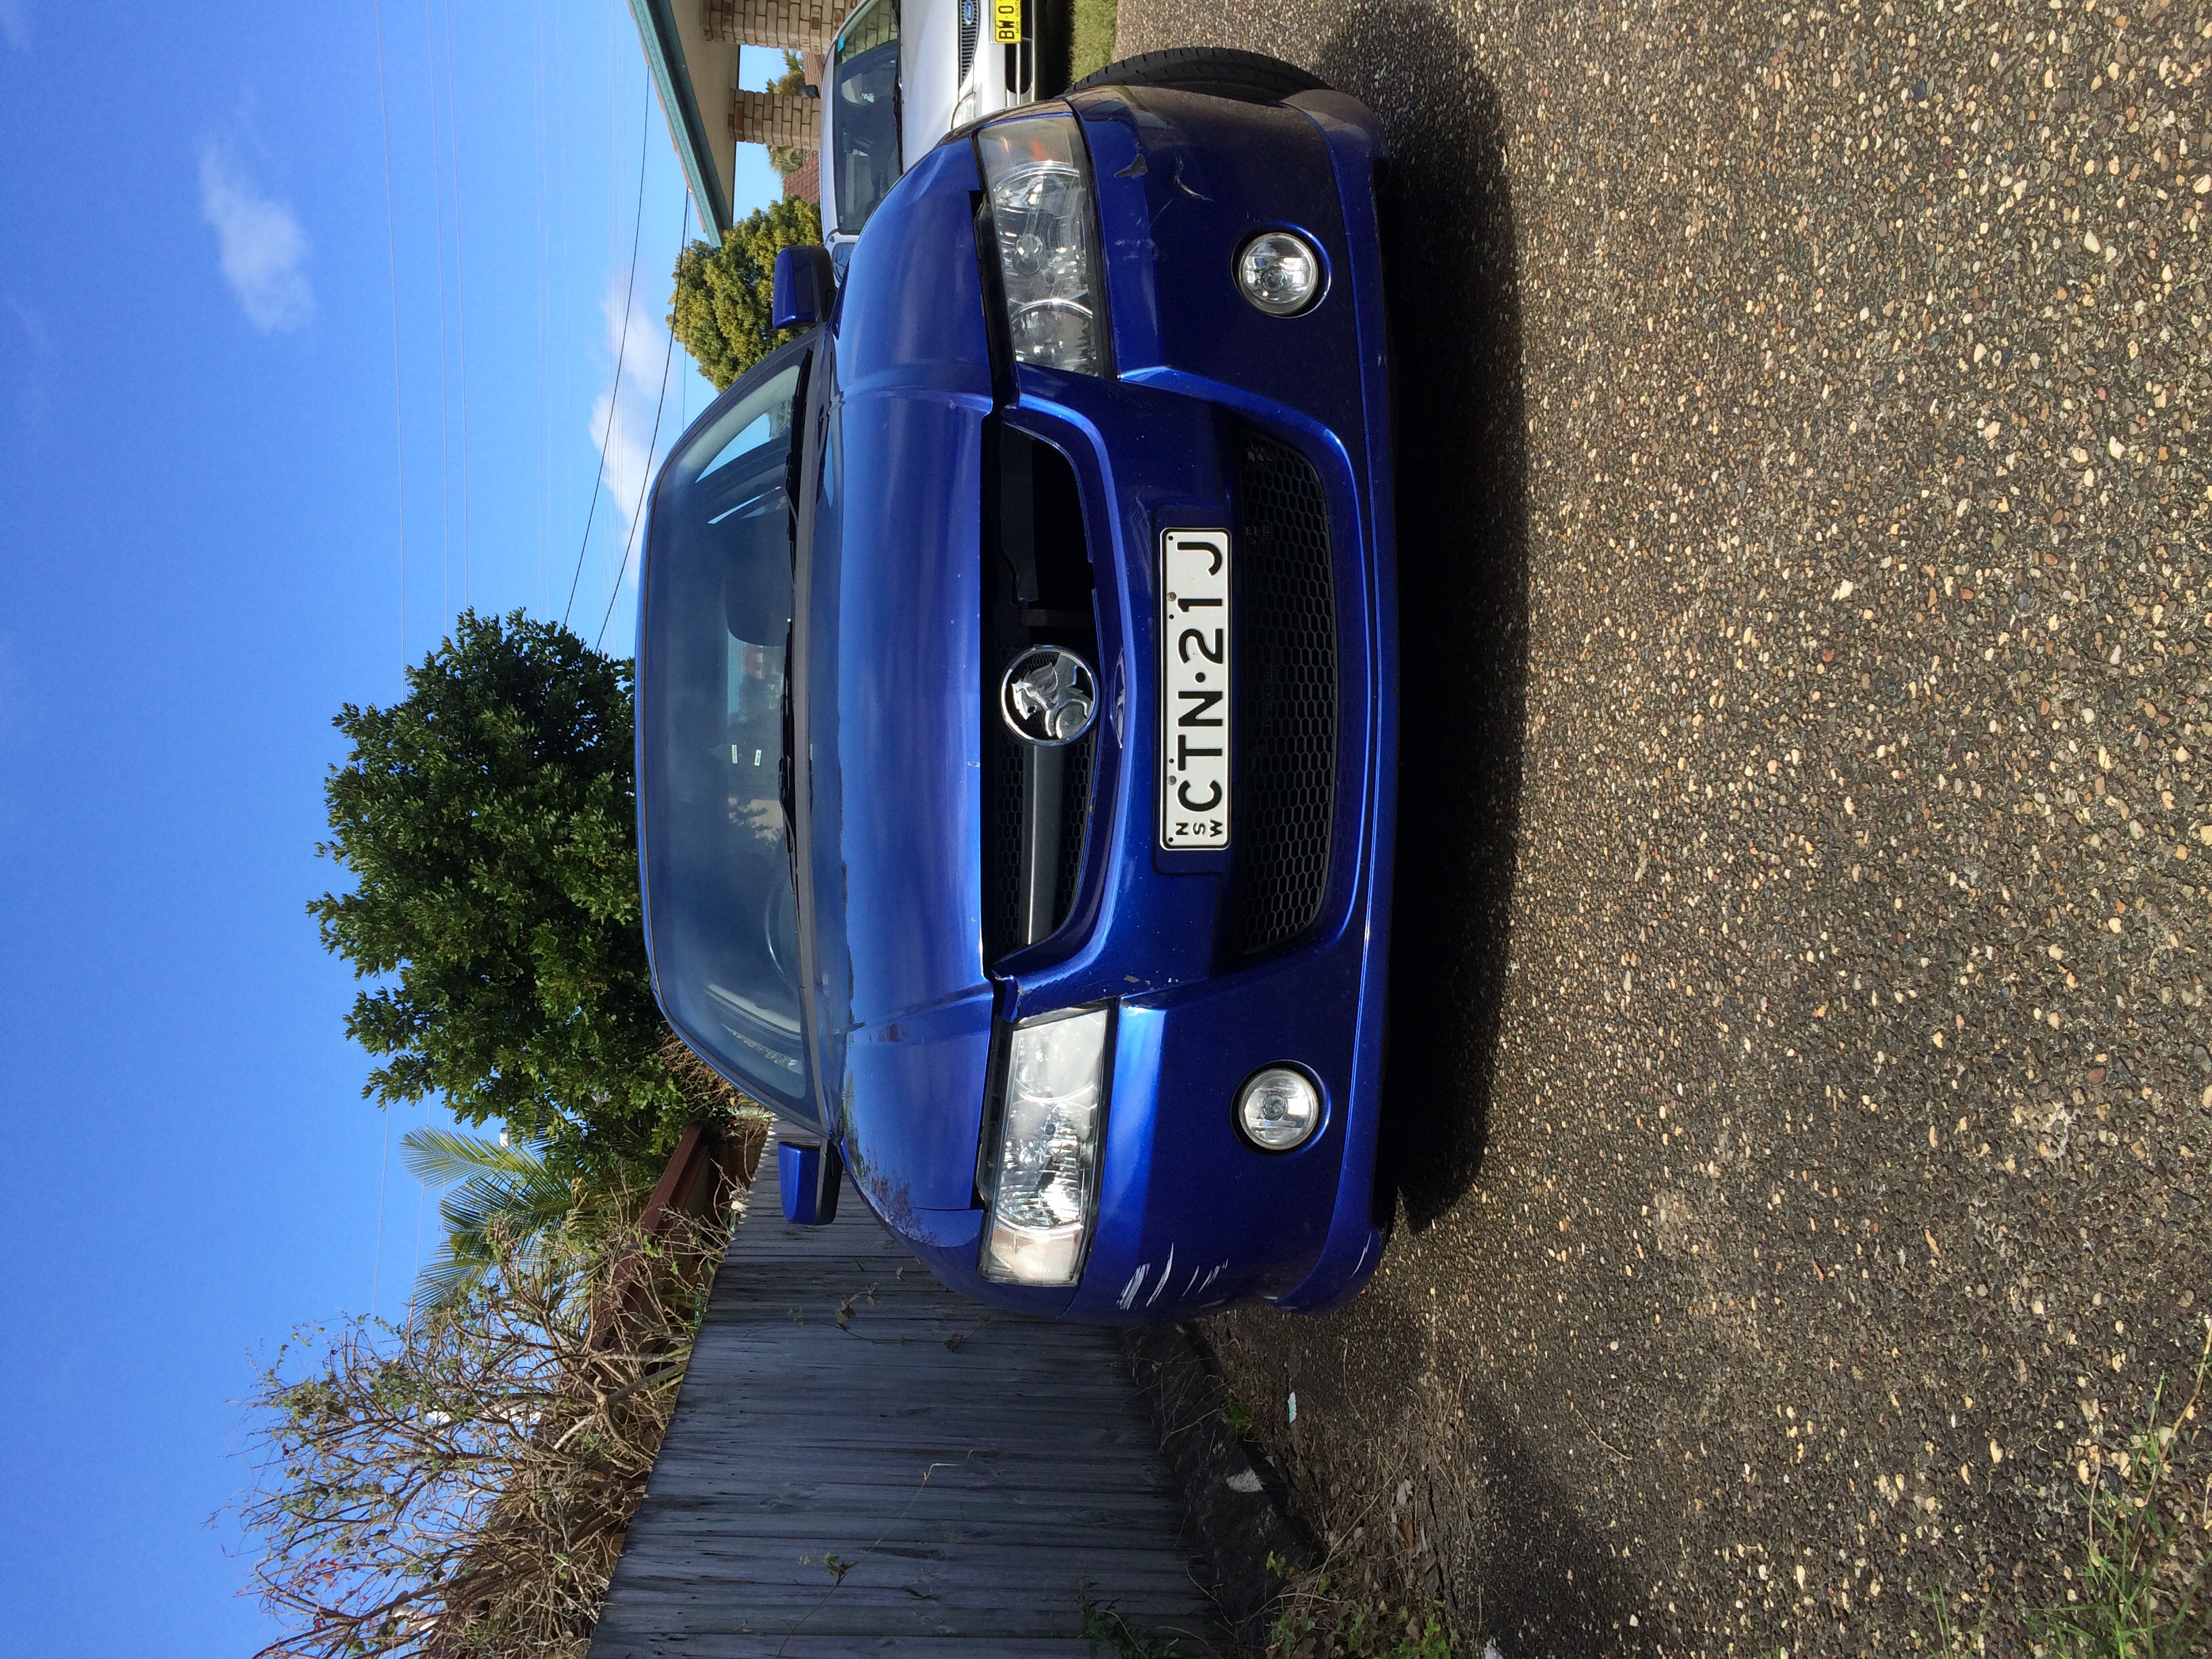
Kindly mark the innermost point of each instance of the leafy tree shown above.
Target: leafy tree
(719, 310)
(488, 820)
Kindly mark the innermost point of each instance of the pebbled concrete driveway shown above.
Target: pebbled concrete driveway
(1802, 1109)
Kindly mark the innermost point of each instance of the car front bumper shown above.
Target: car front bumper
(1190, 1216)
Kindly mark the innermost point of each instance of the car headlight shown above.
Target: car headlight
(1039, 184)
(1041, 1173)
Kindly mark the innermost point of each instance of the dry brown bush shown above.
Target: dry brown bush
(458, 1487)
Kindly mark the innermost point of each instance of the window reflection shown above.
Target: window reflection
(718, 620)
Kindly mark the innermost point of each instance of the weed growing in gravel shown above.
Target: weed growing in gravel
(1952, 1641)
(2141, 1590)
(1238, 1416)
(1317, 1623)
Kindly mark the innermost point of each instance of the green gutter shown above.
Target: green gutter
(672, 79)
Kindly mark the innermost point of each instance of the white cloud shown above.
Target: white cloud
(628, 462)
(15, 24)
(33, 322)
(13, 691)
(29, 371)
(263, 250)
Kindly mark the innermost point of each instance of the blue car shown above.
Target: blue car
(1017, 736)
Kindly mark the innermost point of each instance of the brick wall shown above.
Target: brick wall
(804, 180)
(801, 25)
(775, 118)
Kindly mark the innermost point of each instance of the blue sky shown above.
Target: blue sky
(202, 540)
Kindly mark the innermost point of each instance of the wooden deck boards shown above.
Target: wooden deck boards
(974, 1483)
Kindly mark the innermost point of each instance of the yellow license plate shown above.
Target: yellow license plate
(1007, 21)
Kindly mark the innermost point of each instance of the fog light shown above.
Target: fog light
(1279, 273)
(1276, 1109)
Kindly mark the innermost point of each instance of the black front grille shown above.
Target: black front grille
(1074, 820)
(1286, 657)
(1010, 823)
(1002, 839)
(1036, 591)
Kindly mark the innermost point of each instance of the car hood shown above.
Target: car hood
(891, 672)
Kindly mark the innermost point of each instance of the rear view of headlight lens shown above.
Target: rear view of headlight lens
(1278, 1109)
(1042, 1176)
(1039, 183)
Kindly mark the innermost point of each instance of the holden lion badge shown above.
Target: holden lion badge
(1049, 696)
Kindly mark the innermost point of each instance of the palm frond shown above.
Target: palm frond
(442, 1281)
(502, 1202)
(439, 1158)
(489, 1216)
(522, 1209)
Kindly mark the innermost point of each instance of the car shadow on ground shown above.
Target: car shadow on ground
(1462, 607)
(1506, 1545)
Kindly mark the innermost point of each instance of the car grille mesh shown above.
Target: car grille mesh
(1074, 821)
(971, 19)
(1286, 666)
(1002, 832)
(1005, 831)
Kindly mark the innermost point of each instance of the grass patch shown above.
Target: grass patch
(1102, 1623)
(1317, 1623)
(2138, 1589)
(1094, 36)
(1953, 1639)
(2142, 1581)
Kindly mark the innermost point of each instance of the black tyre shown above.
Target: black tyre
(1249, 77)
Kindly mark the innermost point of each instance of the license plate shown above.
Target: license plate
(1194, 700)
(1007, 21)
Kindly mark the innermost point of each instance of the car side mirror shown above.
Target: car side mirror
(806, 282)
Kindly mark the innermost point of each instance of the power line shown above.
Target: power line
(398, 391)
(444, 401)
(567, 264)
(399, 454)
(461, 292)
(421, 1203)
(622, 347)
(637, 518)
(384, 1172)
(540, 572)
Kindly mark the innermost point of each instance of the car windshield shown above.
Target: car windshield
(864, 87)
(722, 909)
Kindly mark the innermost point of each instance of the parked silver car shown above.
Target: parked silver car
(903, 73)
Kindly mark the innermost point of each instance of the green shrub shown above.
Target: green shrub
(719, 309)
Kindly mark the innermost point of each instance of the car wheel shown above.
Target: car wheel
(1249, 77)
